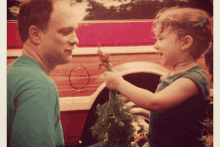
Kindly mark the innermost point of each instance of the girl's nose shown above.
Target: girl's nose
(156, 45)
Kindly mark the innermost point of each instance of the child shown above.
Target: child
(179, 105)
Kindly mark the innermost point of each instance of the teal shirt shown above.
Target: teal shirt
(32, 106)
(183, 125)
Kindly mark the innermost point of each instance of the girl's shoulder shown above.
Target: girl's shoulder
(197, 75)
(194, 71)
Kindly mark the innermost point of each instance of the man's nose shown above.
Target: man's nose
(74, 40)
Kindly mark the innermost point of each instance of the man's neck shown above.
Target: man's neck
(32, 51)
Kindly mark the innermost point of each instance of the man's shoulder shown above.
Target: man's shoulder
(29, 72)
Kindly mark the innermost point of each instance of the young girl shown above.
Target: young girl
(179, 105)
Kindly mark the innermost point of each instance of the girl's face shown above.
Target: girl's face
(169, 47)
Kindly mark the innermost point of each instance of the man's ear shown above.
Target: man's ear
(187, 42)
(34, 34)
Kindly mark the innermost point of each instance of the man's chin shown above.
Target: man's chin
(162, 62)
(69, 59)
(64, 61)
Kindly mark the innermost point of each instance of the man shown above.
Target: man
(48, 30)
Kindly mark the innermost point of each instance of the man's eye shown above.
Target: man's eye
(66, 32)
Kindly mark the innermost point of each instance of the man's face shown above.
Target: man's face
(58, 41)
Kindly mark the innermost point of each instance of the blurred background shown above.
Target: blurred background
(118, 9)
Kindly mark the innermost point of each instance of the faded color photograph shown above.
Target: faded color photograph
(110, 73)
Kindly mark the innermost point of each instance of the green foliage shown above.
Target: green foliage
(209, 131)
(209, 126)
(114, 124)
(132, 10)
(141, 9)
(96, 10)
(11, 3)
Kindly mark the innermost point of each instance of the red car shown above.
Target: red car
(79, 83)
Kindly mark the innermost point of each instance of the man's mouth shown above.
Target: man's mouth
(159, 53)
(68, 51)
(71, 49)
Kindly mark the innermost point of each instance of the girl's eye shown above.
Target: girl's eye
(158, 38)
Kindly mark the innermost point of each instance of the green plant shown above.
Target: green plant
(115, 121)
(114, 124)
(11, 3)
(209, 126)
(140, 9)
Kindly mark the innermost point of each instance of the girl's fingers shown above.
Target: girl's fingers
(140, 137)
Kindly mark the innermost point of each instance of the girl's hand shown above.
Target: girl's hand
(140, 139)
(113, 79)
(140, 111)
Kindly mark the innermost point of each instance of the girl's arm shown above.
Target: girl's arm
(171, 96)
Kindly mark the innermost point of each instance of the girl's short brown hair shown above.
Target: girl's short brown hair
(187, 21)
